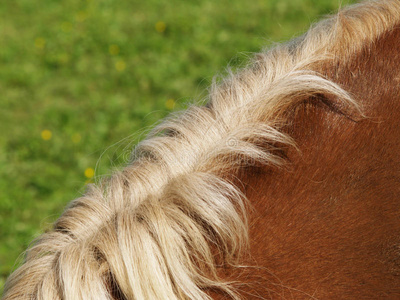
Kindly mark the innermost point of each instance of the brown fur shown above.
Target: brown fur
(324, 221)
(328, 225)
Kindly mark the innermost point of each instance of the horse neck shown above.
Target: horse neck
(327, 223)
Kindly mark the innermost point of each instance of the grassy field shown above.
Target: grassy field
(81, 81)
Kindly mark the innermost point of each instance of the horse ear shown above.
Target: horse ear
(333, 104)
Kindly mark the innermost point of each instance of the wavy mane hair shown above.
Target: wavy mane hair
(169, 223)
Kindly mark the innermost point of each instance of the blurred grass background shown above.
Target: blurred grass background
(81, 81)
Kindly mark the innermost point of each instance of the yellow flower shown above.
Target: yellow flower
(113, 49)
(76, 138)
(89, 172)
(40, 42)
(63, 58)
(160, 26)
(81, 16)
(66, 27)
(170, 104)
(46, 134)
(120, 65)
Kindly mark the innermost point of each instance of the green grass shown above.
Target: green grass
(96, 74)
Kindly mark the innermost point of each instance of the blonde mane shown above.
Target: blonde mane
(161, 227)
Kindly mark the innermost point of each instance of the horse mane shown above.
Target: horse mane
(161, 227)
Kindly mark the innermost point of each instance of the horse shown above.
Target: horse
(285, 184)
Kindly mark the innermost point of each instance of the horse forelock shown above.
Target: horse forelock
(162, 227)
